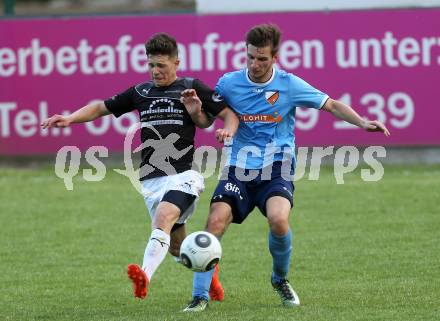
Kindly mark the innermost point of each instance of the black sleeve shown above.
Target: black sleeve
(212, 102)
(121, 103)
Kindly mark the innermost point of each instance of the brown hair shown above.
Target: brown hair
(161, 44)
(264, 35)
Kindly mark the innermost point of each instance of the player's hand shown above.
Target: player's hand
(56, 121)
(375, 126)
(223, 135)
(192, 102)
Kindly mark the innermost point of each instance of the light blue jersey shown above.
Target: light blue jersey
(267, 115)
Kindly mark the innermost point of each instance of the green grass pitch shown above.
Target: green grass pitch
(362, 251)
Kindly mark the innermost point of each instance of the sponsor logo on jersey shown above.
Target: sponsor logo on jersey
(272, 96)
(157, 107)
(261, 118)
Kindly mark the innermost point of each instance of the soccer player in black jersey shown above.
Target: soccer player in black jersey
(168, 115)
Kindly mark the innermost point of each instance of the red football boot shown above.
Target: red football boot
(216, 291)
(139, 279)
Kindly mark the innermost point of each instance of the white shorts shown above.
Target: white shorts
(154, 189)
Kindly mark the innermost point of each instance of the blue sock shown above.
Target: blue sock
(281, 248)
(201, 284)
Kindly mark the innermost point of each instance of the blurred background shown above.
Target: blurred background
(383, 58)
(81, 7)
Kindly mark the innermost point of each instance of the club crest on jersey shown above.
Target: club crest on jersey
(272, 96)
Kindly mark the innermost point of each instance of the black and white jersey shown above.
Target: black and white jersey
(168, 131)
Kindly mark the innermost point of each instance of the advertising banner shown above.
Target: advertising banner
(386, 64)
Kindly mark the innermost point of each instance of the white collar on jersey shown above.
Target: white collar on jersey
(261, 83)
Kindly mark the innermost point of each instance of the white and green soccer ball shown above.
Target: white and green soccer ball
(200, 251)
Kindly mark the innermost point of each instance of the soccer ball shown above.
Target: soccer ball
(200, 251)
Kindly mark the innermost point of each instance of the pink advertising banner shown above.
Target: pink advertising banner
(386, 64)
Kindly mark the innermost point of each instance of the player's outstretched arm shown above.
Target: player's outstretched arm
(87, 113)
(193, 105)
(230, 125)
(345, 112)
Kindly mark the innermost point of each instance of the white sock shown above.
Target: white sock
(155, 251)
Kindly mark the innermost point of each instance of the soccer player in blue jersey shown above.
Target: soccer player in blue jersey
(259, 171)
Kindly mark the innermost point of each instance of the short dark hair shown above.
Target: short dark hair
(264, 35)
(161, 44)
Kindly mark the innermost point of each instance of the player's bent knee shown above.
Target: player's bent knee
(165, 219)
(279, 225)
(219, 218)
(216, 225)
(279, 230)
(278, 221)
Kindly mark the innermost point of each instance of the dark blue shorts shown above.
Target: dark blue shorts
(243, 196)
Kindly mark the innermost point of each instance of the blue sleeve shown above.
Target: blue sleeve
(220, 87)
(304, 95)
